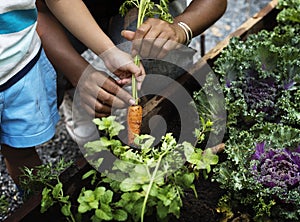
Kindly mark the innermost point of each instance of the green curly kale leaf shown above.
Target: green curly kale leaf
(261, 77)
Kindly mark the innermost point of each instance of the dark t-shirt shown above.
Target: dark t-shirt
(106, 8)
(103, 8)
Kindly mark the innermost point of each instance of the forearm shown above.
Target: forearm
(201, 14)
(59, 50)
(75, 16)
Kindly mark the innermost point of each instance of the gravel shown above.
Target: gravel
(62, 145)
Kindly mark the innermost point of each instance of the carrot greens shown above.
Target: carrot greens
(146, 8)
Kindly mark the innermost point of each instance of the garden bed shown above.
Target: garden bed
(203, 208)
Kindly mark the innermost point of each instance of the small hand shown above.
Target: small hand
(155, 38)
(122, 65)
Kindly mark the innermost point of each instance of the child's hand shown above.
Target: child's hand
(122, 65)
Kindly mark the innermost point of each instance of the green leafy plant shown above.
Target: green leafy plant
(289, 11)
(4, 204)
(262, 172)
(143, 181)
(150, 179)
(33, 180)
(261, 77)
(46, 178)
(261, 84)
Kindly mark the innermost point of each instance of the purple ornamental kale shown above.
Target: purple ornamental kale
(276, 167)
(260, 94)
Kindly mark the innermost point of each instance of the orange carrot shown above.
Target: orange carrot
(134, 121)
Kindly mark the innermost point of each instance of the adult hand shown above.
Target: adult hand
(155, 38)
(99, 93)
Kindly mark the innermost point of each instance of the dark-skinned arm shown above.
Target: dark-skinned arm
(57, 46)
(159, 37)
(201, 14)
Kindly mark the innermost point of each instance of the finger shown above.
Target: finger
(117, 96)
(102, 108)
(127, 34)
(140, 78)
(97, 114)
(151, 43)
(166, 48)
(132, 69)
(107, 96)
(158, 47)
(139, 37)
(96, 108)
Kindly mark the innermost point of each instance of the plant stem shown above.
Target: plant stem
(141, 14)
(134, 87)
(151, 184)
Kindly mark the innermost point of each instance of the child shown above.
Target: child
(27, 88)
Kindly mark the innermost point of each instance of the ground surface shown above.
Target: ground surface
(61, 145)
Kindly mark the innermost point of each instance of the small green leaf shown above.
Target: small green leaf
(56, 190)
(66, 209)
(162, 210)
(106, 198)
(103, 215)
(129, 184)
(88, 174)
(120, 215)
(83, 207)
(94, 204)
(98, 192)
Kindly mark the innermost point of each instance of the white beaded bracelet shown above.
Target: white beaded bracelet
(188, 32)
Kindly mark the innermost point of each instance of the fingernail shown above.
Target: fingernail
(134, 52)
(131, 102)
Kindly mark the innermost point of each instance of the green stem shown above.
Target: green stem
(151, 184)
(133, 79)
(141, 14)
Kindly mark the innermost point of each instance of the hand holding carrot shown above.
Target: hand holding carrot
(122, 65)
(99, 93)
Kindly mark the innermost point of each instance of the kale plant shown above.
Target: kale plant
(262, 172)
(289, 11)
(276, 167)
(261, 77)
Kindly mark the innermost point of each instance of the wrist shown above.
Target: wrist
(187, 31)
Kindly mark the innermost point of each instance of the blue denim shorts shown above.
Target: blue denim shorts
(29, 107)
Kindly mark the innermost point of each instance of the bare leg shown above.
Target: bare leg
(17, 158)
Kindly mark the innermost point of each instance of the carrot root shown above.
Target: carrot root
(134, 121)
